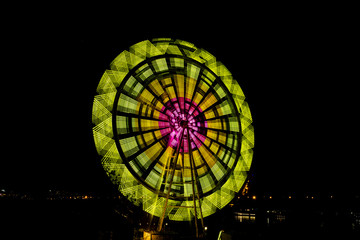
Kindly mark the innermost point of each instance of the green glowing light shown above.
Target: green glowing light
(151, 94)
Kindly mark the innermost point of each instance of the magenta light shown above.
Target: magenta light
(181, 115)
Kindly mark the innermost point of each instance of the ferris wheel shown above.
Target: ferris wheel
(173, 129)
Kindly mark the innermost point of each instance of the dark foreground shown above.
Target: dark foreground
(111, 219)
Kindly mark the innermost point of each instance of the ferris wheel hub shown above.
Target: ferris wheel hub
(184, 123)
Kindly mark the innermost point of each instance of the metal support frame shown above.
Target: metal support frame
(194, 183)
(172, 167)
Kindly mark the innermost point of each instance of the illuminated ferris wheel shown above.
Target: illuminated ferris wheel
(173, 129)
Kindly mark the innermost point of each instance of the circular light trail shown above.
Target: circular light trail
(173, 128)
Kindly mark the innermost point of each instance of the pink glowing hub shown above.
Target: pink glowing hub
(181, 114)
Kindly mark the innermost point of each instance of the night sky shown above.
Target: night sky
(296, 70)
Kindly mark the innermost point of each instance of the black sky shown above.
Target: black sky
(295, 68)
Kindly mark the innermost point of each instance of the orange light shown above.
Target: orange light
(254, 197)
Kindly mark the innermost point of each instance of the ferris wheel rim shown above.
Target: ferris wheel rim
(222, 175)
(114, 114)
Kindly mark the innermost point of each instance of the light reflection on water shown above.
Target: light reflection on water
(306, 222)
(247, 215)
(109, 221)
(276, 216)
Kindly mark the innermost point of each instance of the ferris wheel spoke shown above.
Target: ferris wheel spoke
(221, 105)
(204, 94)
(178, 123)
(136, 154)
(198, 80)
(221, 117)
(135, 133)
(152, 165)
(205, 164)
(133, 115)
(177, 93)
(219, 129)
(148, 94)
(212, 150)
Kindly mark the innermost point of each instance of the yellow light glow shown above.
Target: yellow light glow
(133, 133)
